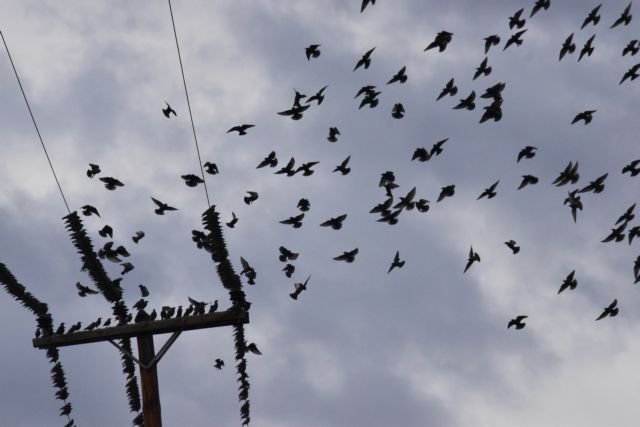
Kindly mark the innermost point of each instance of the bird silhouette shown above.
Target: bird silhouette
(517, 322)
(83, 291)
(270, 161)
(570, 282)
(442, 39)
(611, 310)
(592, 17)
(421, 154)
(106, 231)
(365, 3)
(335, 223)
(111, 183)
(628, 215)
(407, 202)
(492, 40)
(288, 169)
(294, 221)
(192, 180)
(527, 180)
(516, 21)
(370, 99)
(467, 103)
(515, 39)
(473, 257)
(617, 234)
(540, 4)
(596, 186)
(234, 220)
(422, 205)
(625, 17)
(298, 288)
(365, 61)
(445, 192)
(241, 129)
(295, 112)
(211, 168)
(400, 76)
(574, 203)
(633, 168)
(492, 111)
(252, 197)
(143, 291)
(490, 192)
(168, 111)
(162, 207)
(333, 134)
(137, 236)
(342, 167)
(347, 256)
(494, 92)
(631, 48)
(436, 149)
(253, 348)
(587, 116)
(126, 267)
(631, 73)
(396, 263)
(318, 97)
(287, 255)
(527, 152)
(289, 269)
(305, 168)
(482, 69)
(633, 232)
(93, 170)
(568, 175)
(312, 51)
(88, 210)
(219, 363)
(398, 111)
(60, 329)
(567, 47)
(248, 271)
(511, 244)
(588, 48)
(303, 205)
(450, 89)
(75, 327)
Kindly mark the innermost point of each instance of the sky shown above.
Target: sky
(422, 345)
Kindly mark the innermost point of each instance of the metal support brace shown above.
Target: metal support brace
(156, 358)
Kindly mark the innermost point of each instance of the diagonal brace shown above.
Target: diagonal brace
(156, 358)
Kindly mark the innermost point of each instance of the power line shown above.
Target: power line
(186, 92)
(34, 123)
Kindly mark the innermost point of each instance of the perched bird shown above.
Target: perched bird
(527, 180)
(318, 97)
(107, 323)
(83, 291)
(342, 167)
(568, 175)
(211, 168)
(295, 112)
(396, 262)
(305, 168)
(421, 154)
(138, 236)
(482, 69)
(60, 329)
(511, 244)
(168, 110)
(540, 4)
(450, 89)
(347, 256)
(219, 363)
(628, 215)
(625, 17)
(574, 203)
(335, 223)
(631, 48)
(592, 17)
(516, 21)
(93, 170)
(467, 102)
(270, 161)
(567, 47)
(192, 180)
(294, 221)
(596, 186)
(570, 282)
(611, 310)
(473, 257)
(492, 40)
(75, 327)
(587, 116)
(252, 197)
(106, 231)
(515, 39)
(88, 210)
(442, 39)
(633, 168)
(303, 205)
(527, 152)
(286, 254)
(333, 134)
(234, 220)
(127, 267)
(312, 51)
(365, 61)
(631, 73)
(447, 191)
(298, 288)
(400, 76)
(143, 291)
(616, 234)
(289, 269)
(517, 322)
(241, 129)
(253, 348)
(213, 307)
(398, 111)
(490, 192)
(588, 48)
(365, 3)
(288, 169)
(162, 207)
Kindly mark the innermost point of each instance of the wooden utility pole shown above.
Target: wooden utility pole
(147, 358)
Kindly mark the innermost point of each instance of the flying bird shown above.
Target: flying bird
(592, 17)
(192, 180)
(492, 40)
(106, 231)
(111, 183)
(450, 89)
(93, 170)
(517, 322)
(467, 102)
(298, 288)
(492, 111)
(587, 116)
(270, 161)
(633, 232)
(570, 282)
(611, 310)
(288, 169)
(631, 73)
(633, 168)
(490, 192)
(516, 21)
(567, 47)
(335, 223)
(289, 269)
(442, 39)
(143, 291)
(511, 244)
(574, 203)
(211, 168)
(421, 154)
(253, 348)
(422, 205)
(347, 256)
(342, 167)
(631, 48)
(588, 48)
(400, 76)
(241, 129)
(473, 257)
(305, 168)
(527, 180)
(494, 92)
(295, 112)
(318, 97)
(168, 110)
(445, 192)
(83, 291)
(540, 4)
(294, 221)
(234, 220)
(365, 61)
(88, 210)
(219, 363)
(286, 254)
(568, 175)
(162, 207)
(617, 234)
(333, 134)
(628, 215)
(407, 202)
(625, 17)
(252, 197)
(365, 3)
(396, 262)
(527, 152)
(398, 111)
(515, 39)
(126, 267)
(137, 236)
(482, 69)
(312, 51)
(303, 205)
(596, 186)
(248, 271)
(436, 149)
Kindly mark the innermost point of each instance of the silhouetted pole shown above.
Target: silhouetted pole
(149, 382)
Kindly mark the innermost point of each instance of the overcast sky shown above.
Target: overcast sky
(423, 345)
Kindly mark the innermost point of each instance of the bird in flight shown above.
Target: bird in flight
(592, 17)
(567, 47)
(248, 271)
(126, 267)
(625, 17)
(289, 269)
(295, 112)
(305, 168)
(400, 76)
(168, 111)
(286, 254)
(335, 223)
(333, 134)
(517, 322)
(88, 210)
(516, 21)
(234, 220)
(632, 48)
(631, 73)
(450, 89)
(445, 192)
(527, 180)
(617, 234)
(270, 161)
(143, 291)
(633, 168)
(342, 167)
(587, 116)
(570, 282)
(288, 169)
(294, 221)
(303, 205)
(137, 236)
(252, 197)
(574, 202)
(467, 103)
(298, 288)
(473, 257)
(318, 97)
(515, 39)
(611, 310)
(162, 207)
(312, 51)
(93, 170)
(366, 3)
(527, 152)
(540, 4)
(111, 183)
(241, 129)
(442, 39)
(211, 168)
(83, 291)
(219, 363)
(596, 186)
(492, 40)
(482, 69)
(398, 111)
(106, 231)
(396, 262)
(347, 256)
(568, 175)
(511, 244)
(588, 48)
(192, 180)
(365, 61)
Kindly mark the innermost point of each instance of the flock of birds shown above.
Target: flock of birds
(392, 206)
